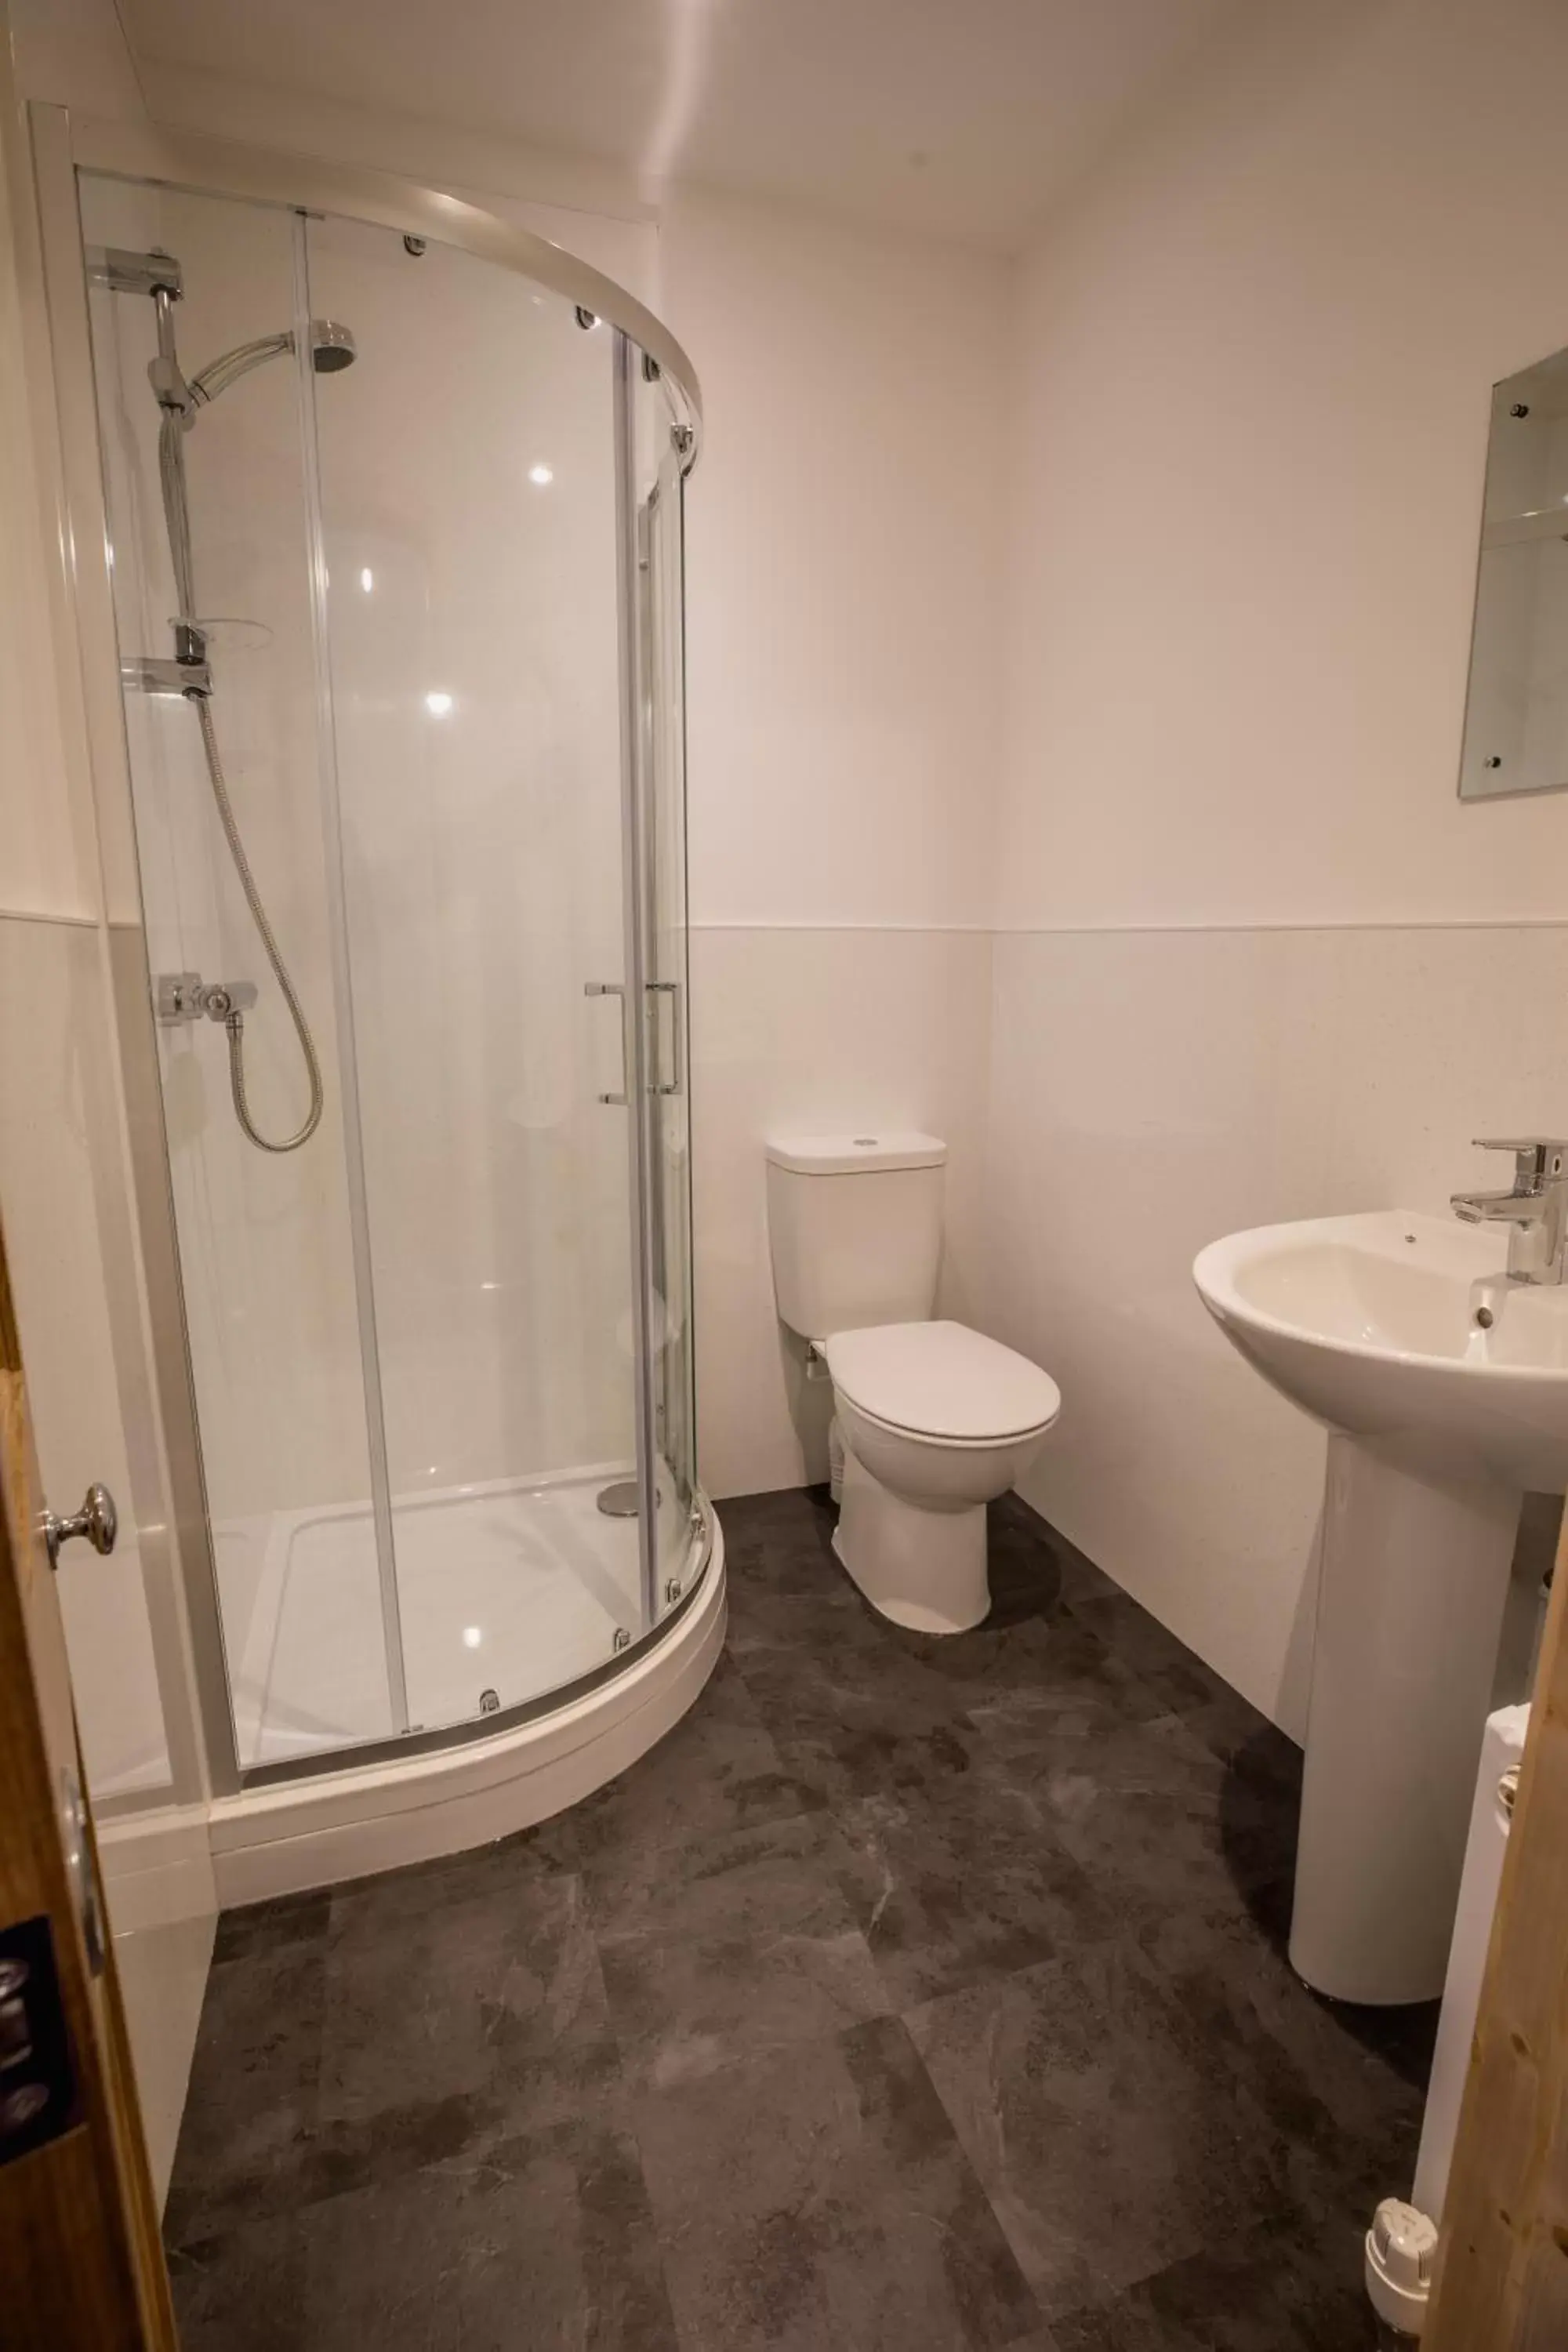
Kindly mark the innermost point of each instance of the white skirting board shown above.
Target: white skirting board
(157, 1867)
(160, 1892)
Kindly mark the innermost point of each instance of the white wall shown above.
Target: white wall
(844, 541)
(50, 1065)
(74, 53)
(844, 571)
(64, 1191)
(1151, 1090)
(1256, 358)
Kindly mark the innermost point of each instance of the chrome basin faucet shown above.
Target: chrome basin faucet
(1535, 1210)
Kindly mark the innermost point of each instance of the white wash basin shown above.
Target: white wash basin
(1370, 1323)
(1445, 1390)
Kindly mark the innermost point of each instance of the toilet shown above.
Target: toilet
(935, 1420)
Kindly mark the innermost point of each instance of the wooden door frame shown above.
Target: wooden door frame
(1503, 2257)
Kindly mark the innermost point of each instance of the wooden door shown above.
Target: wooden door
(1503, 2270)
(81, 2268)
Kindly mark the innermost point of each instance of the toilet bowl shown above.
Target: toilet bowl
(937, 1421)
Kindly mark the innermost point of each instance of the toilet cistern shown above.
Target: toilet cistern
(1535, 1210)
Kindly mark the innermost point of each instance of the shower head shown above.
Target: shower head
(333, 348)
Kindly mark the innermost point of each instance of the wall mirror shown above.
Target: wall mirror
(1516, 713)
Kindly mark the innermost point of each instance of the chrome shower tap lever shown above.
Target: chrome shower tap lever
(186, 996)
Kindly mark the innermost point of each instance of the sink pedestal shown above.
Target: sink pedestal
(1410, 1611)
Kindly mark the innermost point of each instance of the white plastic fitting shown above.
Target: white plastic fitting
(1401, 2252)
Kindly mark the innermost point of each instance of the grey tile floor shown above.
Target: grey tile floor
(912, 1993)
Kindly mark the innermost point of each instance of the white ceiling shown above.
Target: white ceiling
(967, 117)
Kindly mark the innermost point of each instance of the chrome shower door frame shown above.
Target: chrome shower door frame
(633, 831)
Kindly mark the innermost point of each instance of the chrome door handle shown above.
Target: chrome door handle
(98, 1521)
(670, 988)
(613, 988)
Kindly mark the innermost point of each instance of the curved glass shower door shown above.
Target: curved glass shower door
(448, 704)
(467, 547)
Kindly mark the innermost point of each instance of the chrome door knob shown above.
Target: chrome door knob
(98, 1521)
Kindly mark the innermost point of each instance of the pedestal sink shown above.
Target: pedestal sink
(1445, 1387)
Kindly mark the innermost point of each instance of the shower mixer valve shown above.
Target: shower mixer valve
(186, 996)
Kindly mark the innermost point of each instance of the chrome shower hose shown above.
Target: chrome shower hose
(234, 1024)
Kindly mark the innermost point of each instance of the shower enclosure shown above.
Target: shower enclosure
(395, 538)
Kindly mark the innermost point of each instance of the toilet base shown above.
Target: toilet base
(920, 1564)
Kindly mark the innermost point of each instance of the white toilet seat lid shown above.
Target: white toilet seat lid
(941, 1379)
